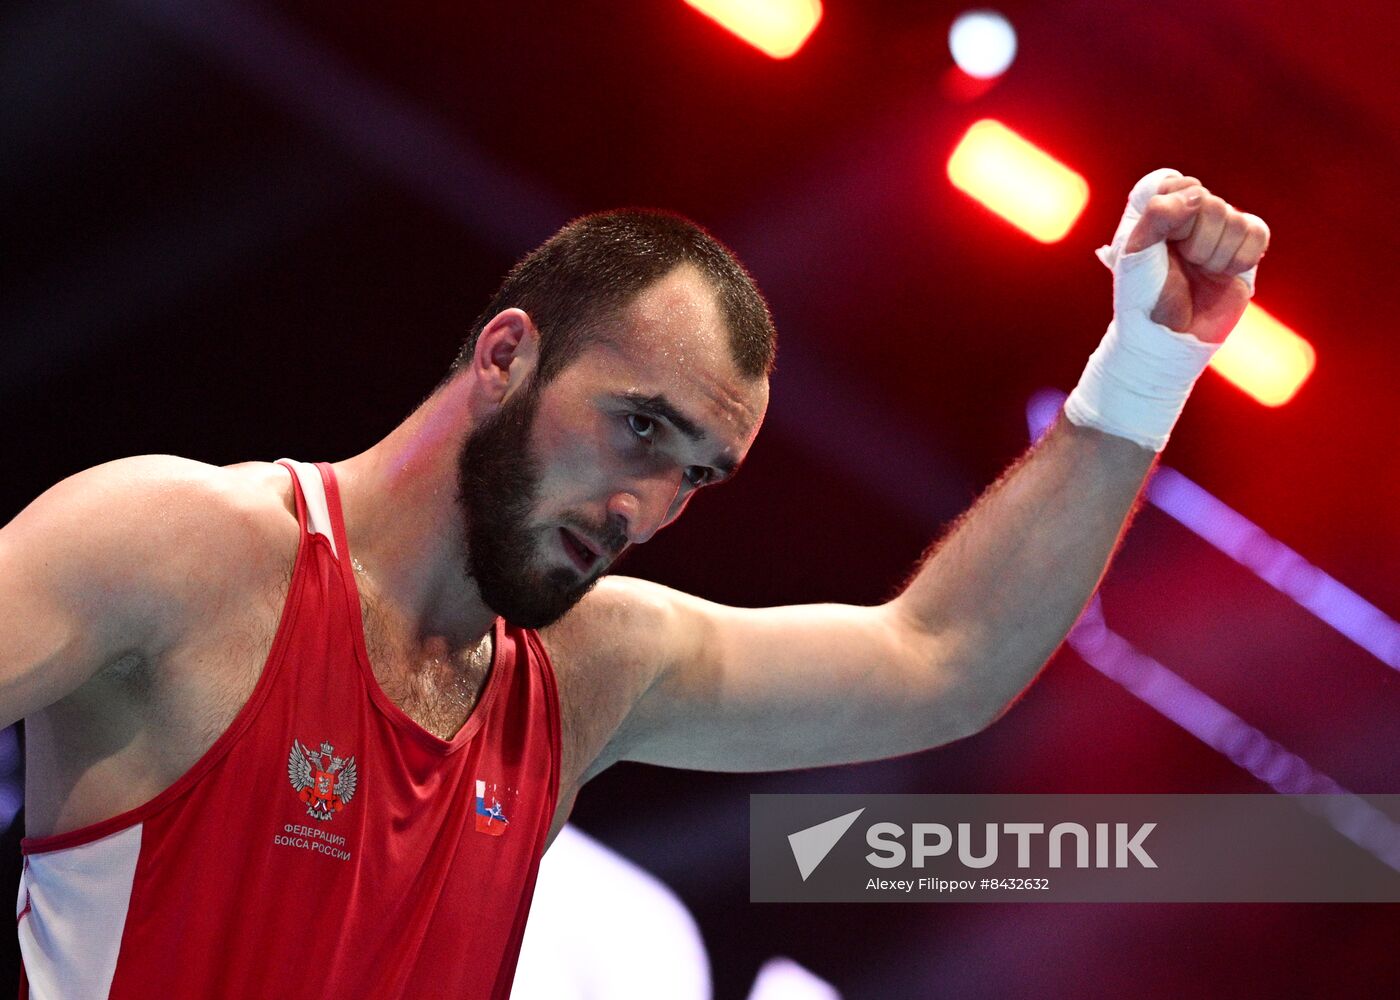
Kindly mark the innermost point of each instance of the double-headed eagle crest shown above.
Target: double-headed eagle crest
(322, 780)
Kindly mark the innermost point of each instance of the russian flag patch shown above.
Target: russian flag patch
(490, 811)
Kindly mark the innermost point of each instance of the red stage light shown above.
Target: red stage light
(777, 27)
(1022, 183)
(1265, 358)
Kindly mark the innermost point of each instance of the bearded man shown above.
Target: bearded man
(305, 730)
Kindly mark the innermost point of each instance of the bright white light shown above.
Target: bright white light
(983, 43)
(601, 926)
(784, 979)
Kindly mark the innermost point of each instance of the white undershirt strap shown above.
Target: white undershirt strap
(314, 490)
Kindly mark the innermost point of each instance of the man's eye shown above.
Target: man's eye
(697, 475)
(643, 427)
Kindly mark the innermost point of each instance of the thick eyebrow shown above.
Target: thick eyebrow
(661, 408)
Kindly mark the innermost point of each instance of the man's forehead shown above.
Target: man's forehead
(704, 391)
(672, 342)
(676, 313)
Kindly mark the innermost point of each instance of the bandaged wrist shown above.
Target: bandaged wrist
(1136, 383)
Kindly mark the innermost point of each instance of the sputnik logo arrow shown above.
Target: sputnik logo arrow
(811, 845)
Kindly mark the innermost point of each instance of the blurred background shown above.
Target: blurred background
(241, 232)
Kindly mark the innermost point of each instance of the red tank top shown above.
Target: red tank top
(326, 846)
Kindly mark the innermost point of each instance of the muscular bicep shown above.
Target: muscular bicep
(748, 689)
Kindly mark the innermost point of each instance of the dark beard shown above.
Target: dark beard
(497, 486)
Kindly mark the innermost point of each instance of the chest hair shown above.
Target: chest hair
(436, 685)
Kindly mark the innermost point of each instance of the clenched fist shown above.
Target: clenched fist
(1210, 249)
(1183, 264)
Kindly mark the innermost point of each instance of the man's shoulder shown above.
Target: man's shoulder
(621, 619)
(169, 530)
(607, 651)
(169, 502)
(141, 481)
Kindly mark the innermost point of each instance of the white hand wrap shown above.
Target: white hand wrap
(1136, 383)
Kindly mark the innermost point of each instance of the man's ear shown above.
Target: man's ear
(507, 351)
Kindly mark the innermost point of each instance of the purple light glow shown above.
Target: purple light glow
(9, 752)
(11, 792)
(11, 798)
(1200, 714)
(1253, 548)
(1221, 729)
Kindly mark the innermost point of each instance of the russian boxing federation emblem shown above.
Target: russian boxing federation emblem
(325, 782)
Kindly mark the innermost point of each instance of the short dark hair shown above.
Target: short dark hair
(585, 274)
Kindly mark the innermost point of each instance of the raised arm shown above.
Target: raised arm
(739, 689)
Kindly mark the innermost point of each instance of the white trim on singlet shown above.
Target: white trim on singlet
(72, 910)
(318, 512)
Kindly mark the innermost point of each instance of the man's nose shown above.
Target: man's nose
(644, 508)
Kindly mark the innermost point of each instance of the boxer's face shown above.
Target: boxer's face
(559, 482)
